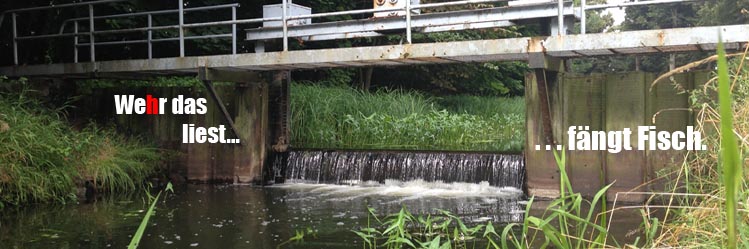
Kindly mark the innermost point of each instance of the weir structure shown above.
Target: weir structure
(268, 130)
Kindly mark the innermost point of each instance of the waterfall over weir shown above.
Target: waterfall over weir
(353, 167)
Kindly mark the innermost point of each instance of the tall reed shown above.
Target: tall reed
(345, 118)
(732, 169)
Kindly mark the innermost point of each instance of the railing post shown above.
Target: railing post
(583, 23)
(91, 45)
(15, 41)
(75, 42)
(408, 21)
(181, 29)
(150, 36)
(234, 30)
(560, 18)
(284, 6)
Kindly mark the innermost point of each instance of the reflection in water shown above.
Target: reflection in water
(231, 216)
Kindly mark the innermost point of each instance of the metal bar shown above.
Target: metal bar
(111, 32)
(150, 37)
(91, 30)
(583, 22)
(181, 29)
(367, 11)
(15, 39)
(454, 3)
(347, 12)
(234, 31)
(116, 42)
(285, 25)
(418, 22)
(159, 40)
(161, 12)
(75, 42)
(543, 101)
(240, 21)
(212, 92)
(627, 4)
(155, 12)
(433, 29)
(196, 37)
(408, 21)
(64, 5)
(560, 17)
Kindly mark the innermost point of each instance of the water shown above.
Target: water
(327, 192)
(353, 167)
(241, 216)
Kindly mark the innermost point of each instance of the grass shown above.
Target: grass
(564, 223)
(482, 105)
(345, 118)
(715, 215)
(42, 158)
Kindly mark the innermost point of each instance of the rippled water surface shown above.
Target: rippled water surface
(231, 216)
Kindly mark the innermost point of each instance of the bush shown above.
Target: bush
(42, 157)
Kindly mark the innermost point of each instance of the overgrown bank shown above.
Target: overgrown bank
(702, 220)
(44, 159)
(345, 118)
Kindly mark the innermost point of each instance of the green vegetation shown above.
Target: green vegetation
(405, 230)
(717, 216)
(732, 170)
(42, 157)
(135, 241)
(345, 118)
(564, 224)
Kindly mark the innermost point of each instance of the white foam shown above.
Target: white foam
(406, 190)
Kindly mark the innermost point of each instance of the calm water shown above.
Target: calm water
(231, 216)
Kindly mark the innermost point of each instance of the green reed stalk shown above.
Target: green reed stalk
(135, 241)
(729, 149)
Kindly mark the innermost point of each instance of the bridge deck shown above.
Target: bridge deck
(513, 49)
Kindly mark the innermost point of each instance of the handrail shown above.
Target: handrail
(60, 6)
(284, 18)
(146, 13)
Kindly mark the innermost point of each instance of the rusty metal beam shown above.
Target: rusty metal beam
(212, 92)
(543, 102)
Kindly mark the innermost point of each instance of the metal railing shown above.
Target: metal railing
(284, 19)
(149, 28)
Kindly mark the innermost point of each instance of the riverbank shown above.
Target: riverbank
(43, 158)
